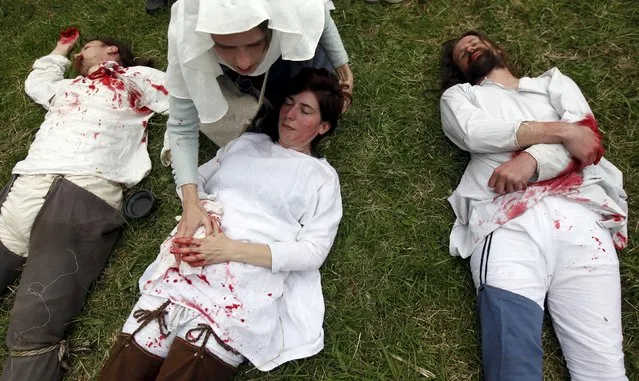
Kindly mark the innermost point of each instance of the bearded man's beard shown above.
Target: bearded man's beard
(484, 64)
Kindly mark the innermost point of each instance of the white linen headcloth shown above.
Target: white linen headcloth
(297, 26)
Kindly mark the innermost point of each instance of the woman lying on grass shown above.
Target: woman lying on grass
(251, 290)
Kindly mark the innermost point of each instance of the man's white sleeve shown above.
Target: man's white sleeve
(569, 102)
(473, 129)
(46, 78)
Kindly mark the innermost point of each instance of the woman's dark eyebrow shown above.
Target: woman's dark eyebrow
(307, 105)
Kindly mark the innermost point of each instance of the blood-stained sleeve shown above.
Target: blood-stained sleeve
(151, 82)
(552, 160)
(473, 129)
(46, 78)
(569, 102)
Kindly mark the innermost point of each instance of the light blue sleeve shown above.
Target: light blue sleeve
(332, 43)
(183, 129)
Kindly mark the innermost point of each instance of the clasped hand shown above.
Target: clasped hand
(514, 174)
(213, 248)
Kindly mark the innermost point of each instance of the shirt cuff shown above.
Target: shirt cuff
(292, 256)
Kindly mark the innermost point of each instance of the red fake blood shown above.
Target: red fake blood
(69, 35)
(557, 224)
(590, 122)
(134, 98)
(597, 240)
(95, 135)
(229, 276)
(201, 311)
(269, 294)
(623, 241)
(160, 88)
(617, 217)
(563, 183)
(145, 123)
(516, 210)
(107, 78)
(143, 140)
(203, 278)
(187, 280)
(233, 306)
(143, 110)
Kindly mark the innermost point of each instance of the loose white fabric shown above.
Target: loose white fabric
(275, 196)
(95, 125)
(558, 254)
(297, 26)
(179, 321)
(484, 119)
(26, 197)
(166, 261)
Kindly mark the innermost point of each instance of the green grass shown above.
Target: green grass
(392, 291)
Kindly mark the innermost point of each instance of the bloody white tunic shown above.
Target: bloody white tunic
(95, 125)
(284, 199)
(484, 119)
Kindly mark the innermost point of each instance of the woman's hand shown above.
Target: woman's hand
(218, 248)
(345, 76)
(212, 249)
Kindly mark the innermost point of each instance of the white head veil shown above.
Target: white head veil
(297, 26)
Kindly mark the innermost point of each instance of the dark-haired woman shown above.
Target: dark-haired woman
(251, 290)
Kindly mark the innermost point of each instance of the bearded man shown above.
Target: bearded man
(539, 212)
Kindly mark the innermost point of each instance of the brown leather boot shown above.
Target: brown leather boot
(186, 362)
(128, 361)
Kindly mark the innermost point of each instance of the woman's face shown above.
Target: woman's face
(242, 51)
(300, 122)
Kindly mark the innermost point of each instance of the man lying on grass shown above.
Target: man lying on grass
(539, 212)
(60, 216)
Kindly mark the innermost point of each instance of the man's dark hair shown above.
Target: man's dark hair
(449, 73)
(330, 95)
(127, 58)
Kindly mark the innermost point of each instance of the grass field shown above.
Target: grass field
(395, 299)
